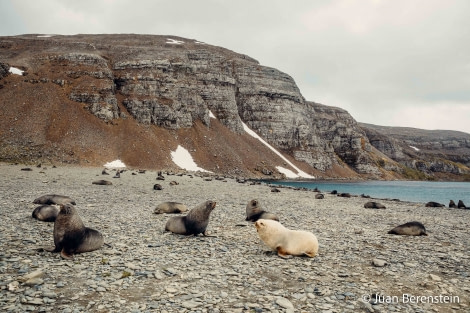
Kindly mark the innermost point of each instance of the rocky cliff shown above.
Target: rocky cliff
(431, 153)
(88, 99)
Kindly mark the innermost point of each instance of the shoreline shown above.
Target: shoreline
(146, 270)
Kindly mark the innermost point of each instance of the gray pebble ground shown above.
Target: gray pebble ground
(146, 270)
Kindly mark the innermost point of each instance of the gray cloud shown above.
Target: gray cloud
(394, 63)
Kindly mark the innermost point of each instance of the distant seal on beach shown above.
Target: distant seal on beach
(409, 229)
(254, 212)
(194, 223)
(53, 199)
(157, 187)
(170, 207)
(71, 236)
(319, 196)
(46, 213)
(433, 204)
(452, 204)
(374, 205)
(461, 205)
(344, 195)
(285, 241)
(102, 182)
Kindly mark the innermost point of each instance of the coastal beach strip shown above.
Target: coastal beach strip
(359, 268)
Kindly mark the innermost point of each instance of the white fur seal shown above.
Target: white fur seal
(285, 241)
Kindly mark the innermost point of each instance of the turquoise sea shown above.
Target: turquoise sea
(414, 191)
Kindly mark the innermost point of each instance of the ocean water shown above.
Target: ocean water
(414, 191)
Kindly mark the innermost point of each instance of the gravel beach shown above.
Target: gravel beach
(360, 268)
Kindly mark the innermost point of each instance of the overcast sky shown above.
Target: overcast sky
(391, 63)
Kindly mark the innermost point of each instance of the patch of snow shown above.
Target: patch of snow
(16, 71)
(115, 164)
(44, 36)
(183, 159)
(299, 172)
(414, 148)
(287, 172)
(211, 115)
(174, 41)
(200, 42)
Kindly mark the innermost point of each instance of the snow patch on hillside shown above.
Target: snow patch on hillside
(16, 71)
(184, 160)
(285, 171)
(115, 164)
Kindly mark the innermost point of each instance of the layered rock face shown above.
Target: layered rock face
(427, 151)
(175, 83)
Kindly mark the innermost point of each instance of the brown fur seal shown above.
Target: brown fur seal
(461, 205)
(170, 207)
(46, 213)
(194, 223)
(452, 204)
(53, 199)
(102, 182)
(433, 204)
(254, 212)
(285, 241)
(71, 236)
(374, 205)
(409, 229)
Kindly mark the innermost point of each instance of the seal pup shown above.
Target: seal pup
(53, 199)
(102, 182)
(319, 196)
(374, 205)
(285, 241)
(170, 207)
(409, 229)
(46, 213)
(254, 212)
(71, 236)
(194, 223)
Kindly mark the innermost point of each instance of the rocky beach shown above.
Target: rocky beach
(360, 268)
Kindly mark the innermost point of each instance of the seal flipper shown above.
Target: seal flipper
(282, 253)
(66, 255)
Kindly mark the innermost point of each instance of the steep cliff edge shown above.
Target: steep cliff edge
(89, 99)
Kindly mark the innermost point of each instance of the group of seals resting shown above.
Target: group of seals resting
(194, 223)
(71, 236)
(48, 210)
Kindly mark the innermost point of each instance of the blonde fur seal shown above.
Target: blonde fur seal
(285, 241)
(254, 212)
(194, 223)
(71, 236)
